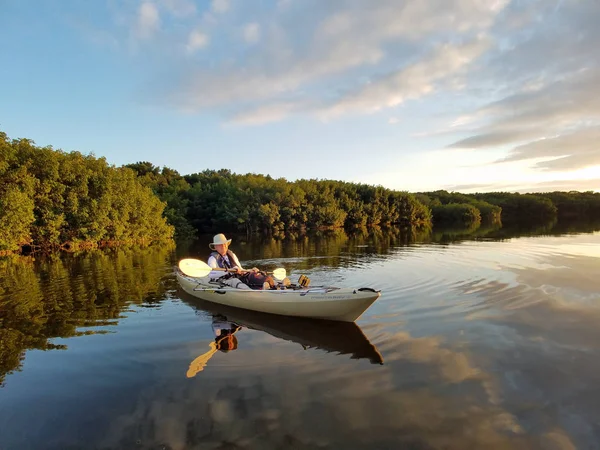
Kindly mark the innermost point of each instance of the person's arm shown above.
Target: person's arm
(236, 263)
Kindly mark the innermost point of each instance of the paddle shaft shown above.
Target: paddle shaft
(235, 270)
(197, 268)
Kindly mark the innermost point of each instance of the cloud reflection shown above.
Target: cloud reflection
(271, 397)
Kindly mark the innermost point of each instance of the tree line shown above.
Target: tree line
(453, 208)
(50, 199)
(221, 200)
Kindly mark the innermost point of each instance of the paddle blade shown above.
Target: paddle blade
(279, 274)
(194, 267)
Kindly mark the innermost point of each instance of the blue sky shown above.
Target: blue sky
(468, 95)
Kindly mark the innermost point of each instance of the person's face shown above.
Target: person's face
(221, 248)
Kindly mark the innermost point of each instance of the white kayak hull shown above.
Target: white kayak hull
(319, 302)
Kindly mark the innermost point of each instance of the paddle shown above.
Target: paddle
(198, 269)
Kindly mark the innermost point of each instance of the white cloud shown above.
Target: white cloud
(388, 19)
(561, 119)
(393, 120)
(196, 40)
(569, 151)
(244, 87)
(251, 33)
(148, 20)
(414, 81)
(220, 6)
(546, 103)
(526, 185)
(310, 51)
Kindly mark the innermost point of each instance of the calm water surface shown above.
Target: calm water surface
(490, 343)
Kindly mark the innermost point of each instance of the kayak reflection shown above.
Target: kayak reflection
(344, 338)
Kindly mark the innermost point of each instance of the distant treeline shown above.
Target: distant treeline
(220, 200)
(453, 208)
(50, 199)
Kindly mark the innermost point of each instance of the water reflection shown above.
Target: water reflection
(272, 395)
(490, 343)
(225, 341)
(74, 295)
(304, 251)
(342, 338)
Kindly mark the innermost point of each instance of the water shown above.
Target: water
(487, 343)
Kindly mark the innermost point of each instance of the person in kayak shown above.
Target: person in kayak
(237, 277)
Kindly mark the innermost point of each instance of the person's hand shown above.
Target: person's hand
(238, 270)
(255, 270)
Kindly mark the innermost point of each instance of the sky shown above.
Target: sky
(462, 95)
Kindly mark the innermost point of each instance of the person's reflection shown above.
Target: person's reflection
(225, 341)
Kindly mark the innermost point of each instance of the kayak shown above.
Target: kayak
(317, 302)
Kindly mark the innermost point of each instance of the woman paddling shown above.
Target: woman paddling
(237, 276)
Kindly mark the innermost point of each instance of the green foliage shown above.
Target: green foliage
(580, 205)
(231, 202)
(521, 207)
(515, 208)
(225, 201)
(171, 188)
(49, 199)
(489, 213)
(456, 214)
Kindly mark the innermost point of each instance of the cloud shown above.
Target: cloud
(521, 76)
(411, 82)
(546, 186)
(560, 119)
(148, 20)
(251, 33)
(197, 40)
(220, 6)
(548, 80)
(573, 151)
(255, 94)
(333, 57)
(376, 22)
(558, 106)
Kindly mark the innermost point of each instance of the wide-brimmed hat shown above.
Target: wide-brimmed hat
(219, 239)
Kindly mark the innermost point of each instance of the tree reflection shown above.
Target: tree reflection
(303, 250)
(51, 297)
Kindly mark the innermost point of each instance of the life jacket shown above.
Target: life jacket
(226, 342)
(221, 262)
